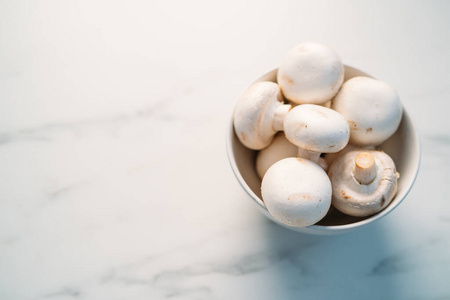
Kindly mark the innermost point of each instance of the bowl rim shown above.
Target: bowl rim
(328, 228)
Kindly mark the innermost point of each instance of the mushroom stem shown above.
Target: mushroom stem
(311, 155)
(365, 169)
(280, 114)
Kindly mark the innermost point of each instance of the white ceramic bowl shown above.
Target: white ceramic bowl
(403, 147)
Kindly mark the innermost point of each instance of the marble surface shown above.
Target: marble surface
(114, 180)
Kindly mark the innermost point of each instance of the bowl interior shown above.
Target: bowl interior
(403, 147)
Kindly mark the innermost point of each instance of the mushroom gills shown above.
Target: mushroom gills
(363, 183)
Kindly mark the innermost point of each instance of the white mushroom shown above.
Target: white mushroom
(372, 109)
(296, 192)
(363, 183)
(310, 73)
(279, 149)
(259, 114)
(316, 129)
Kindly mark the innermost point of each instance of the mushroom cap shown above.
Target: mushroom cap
(355, 199)
(372, 109)
(279, 149)
(296, 192)
(310, 73)
(316, 128)
(254, 114)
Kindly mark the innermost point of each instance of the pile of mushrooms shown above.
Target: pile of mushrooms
(316, 137)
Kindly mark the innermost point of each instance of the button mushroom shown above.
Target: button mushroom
(363, 183)
(279, 149)
(310, 73)
(296, 192)
(259, 114)
(372, 109)
(316, 129)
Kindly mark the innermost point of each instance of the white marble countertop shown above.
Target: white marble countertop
(114, 180)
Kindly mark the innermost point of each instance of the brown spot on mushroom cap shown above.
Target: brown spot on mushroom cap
(298, 127)
(344, 195)
(287, 79)
(258, 122)
(300, 196)
(369, 130)
(352, 125)
(243, 136)
(299, 159)
(308, 147)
